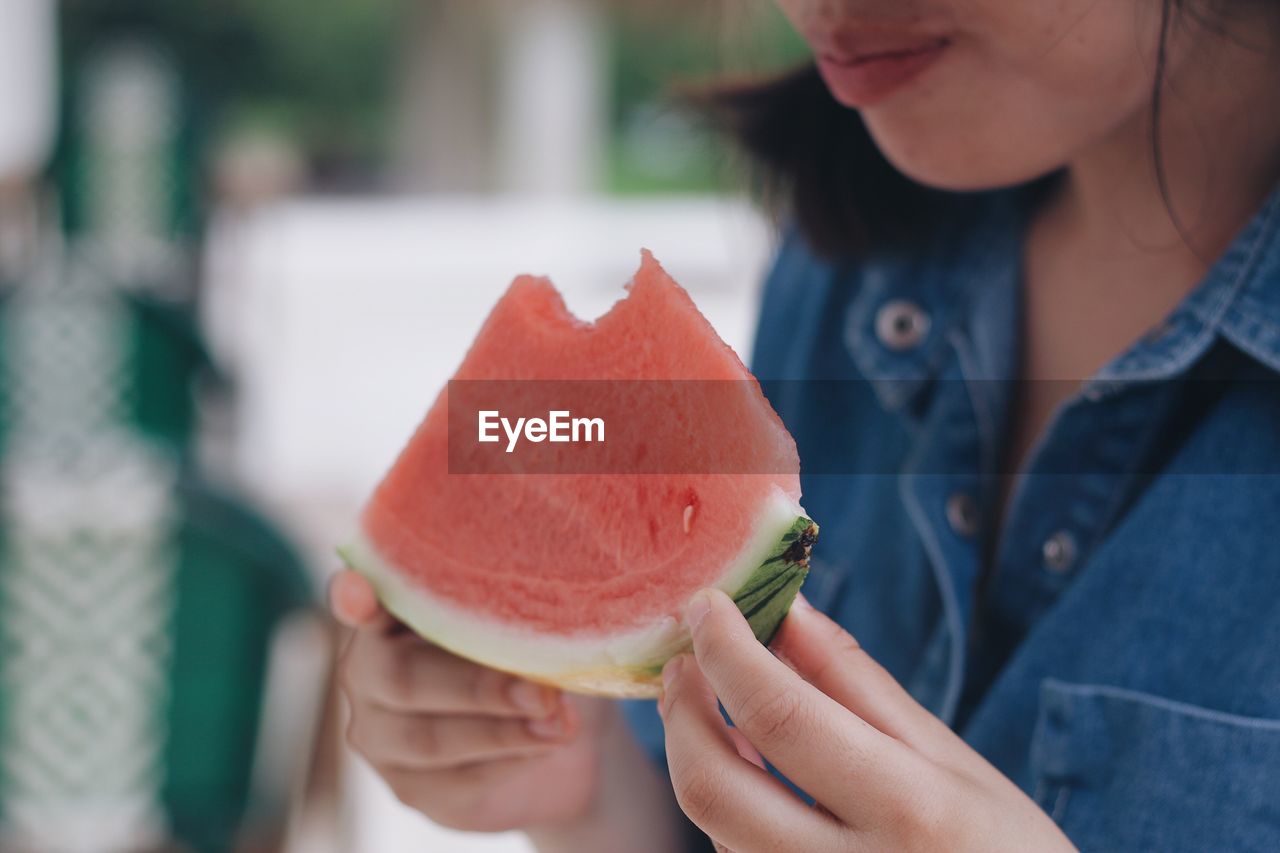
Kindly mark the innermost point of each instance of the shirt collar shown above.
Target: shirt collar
(1238, 300)
(1249, 311)
(973, 272)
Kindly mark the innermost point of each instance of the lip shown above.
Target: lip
(869, 76)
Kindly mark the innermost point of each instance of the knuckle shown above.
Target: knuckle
(699, 791)
(900, 819)
(773, 715)
(914, 820)
(931, 817)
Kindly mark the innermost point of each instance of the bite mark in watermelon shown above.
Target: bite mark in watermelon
(580, 579)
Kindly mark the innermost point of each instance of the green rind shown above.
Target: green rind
(767, 595)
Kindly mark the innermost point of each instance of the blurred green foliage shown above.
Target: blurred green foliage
(316, 70)
(656, 145)
(325, 71)
(322, 73)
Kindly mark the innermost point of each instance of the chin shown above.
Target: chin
(938, 155)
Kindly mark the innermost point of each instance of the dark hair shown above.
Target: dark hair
(815, 161)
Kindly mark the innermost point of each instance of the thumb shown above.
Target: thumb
(354, 603)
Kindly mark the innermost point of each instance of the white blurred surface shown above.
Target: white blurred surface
(551, 145)
(341, 321)
(28, 87)
(383, 825)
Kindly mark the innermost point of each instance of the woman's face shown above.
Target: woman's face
(970, 94)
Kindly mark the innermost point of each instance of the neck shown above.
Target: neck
(1219, 156)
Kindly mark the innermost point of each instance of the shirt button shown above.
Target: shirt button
(901, 325)
(1059, 552)
(962, 514)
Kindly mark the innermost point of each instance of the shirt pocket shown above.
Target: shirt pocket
(1122, 770)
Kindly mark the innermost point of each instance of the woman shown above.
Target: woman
(1026, 331)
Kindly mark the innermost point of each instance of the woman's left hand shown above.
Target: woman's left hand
(885, 773)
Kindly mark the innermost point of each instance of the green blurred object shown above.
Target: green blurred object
(170, 367)
(318, 72)
(656, 144)
(129, 157)
(167, 366)
(237, 579)
(138, 606)
(234, 580)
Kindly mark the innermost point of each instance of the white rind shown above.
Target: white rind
(598, 663)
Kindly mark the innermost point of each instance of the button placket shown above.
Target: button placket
(1072, 491)
(938, 482)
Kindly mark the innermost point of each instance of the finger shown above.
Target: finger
(830, 659)
(434, 742)
(404, 673)
(735, 802)
(354, 603)
(831, 753)
(469, 797)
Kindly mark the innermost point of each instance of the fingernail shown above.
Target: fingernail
(671, 670)
(802, 603)
(531, 698)
(551, 728)
(697, 609)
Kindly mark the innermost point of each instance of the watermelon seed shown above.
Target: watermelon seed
(688, 518)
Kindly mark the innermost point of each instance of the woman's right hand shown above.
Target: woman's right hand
(472, 748)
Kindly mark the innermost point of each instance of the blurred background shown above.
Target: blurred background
(242, 245)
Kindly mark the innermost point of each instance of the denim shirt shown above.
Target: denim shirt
(1116, 652)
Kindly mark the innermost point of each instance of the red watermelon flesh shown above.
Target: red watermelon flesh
(571, 563)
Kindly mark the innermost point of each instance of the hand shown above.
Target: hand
(885, 773)
(470, 747)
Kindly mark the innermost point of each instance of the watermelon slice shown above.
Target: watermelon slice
(570, 563)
